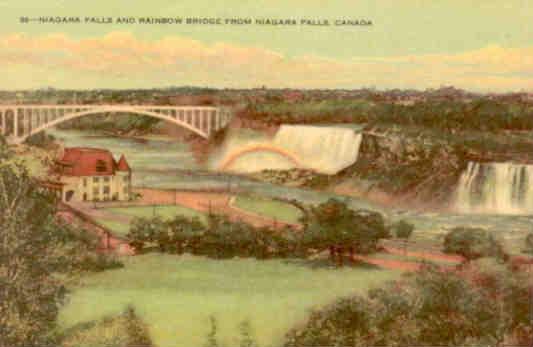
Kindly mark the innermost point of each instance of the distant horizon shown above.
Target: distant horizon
(480, 46)
(177, 87)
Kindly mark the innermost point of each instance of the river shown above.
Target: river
(165, 163)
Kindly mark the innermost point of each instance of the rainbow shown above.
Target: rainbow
(232, 157)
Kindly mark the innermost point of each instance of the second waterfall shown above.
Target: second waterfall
(502, 188)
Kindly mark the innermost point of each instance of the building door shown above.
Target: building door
(84, 196)
(68, 195)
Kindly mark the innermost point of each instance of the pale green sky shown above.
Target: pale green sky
(409, 39)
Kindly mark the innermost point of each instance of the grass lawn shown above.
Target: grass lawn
(117, 228)
(121, 228)
(175, 295)
(164, 211)
(269, 208)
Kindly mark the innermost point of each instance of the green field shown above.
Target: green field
(120, 227)
(164, 211)
(269, 208)
(175, 295)
(117, 228)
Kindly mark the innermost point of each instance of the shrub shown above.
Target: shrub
(427, 308)
(221, 238)
(403, 230)
(473, 243)
(333, 225)
(211, 338)
(124, 330)
(247, 339)
(144, 230)
(32, 248)
(183, 233)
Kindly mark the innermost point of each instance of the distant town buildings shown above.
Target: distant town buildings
(92, 174)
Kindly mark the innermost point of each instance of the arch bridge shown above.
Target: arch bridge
(18, 122)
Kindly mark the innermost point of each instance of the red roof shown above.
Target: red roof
(123, 164)
(84, 161)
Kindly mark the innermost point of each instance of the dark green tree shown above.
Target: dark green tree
(473, 243)
(333, 225)
(184, 232)
(30, 295)
(403, 230)
(147, 230)
(428, 308)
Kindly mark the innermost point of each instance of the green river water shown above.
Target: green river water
(170, 164)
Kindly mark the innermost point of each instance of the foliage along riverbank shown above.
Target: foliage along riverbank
(329, 226)
(39, 254)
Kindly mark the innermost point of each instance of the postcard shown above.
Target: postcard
(266, 173)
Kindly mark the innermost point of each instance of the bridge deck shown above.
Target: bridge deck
(18, 122)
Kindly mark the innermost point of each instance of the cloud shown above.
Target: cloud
(119, 59)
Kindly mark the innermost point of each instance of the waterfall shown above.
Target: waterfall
(503, 188)
(323, 149)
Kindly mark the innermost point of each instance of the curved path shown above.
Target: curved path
(107, 241)
(218, 203)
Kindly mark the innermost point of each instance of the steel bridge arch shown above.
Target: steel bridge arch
(95, 111)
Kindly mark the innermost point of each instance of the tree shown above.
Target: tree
(144, 230)
(403, 230)
(473, 243)
(335, 226)
(183, 232)
(427, 308)
(29, 295)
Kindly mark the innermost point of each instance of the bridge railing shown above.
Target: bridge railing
(21, 121)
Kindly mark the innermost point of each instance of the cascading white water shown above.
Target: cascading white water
(503, 188)
(323, 149)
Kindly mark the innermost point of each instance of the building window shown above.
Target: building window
(125, 190)
(85, 182)
(106, 179)
(96, 179)
(101, 166)
(96, 191)
(106, 189)
(126, 178)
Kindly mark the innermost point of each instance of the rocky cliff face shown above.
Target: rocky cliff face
(408, 168)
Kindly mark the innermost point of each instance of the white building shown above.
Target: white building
(92, 174)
